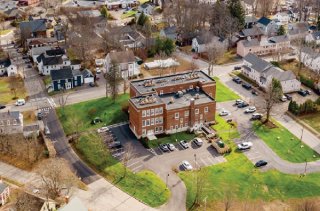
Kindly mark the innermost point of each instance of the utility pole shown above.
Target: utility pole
(301, 134)
(167, 181)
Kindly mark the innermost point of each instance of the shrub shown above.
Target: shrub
(307, 82)
(275, 63)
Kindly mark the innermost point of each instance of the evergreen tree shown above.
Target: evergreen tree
(167, 46)
(237, 11)
(318, 23)
(104, 11)
(142, 19)
(281, 30)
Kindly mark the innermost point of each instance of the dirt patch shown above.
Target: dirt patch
(29, 117)
(270, 125)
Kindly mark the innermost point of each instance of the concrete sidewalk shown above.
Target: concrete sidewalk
(15, 174)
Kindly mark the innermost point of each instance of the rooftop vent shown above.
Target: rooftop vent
(148, 83)
(147, 100)
(179, 94)
(193, 75)
(197, 96)
(197, 88)
(171, 100)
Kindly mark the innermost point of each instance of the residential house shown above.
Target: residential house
(262, 72)
(13, 14)
(7, 68)
(171, 104)
(4, 192)
(11, 122)
(146, 8)
(87, 76)
(269, 27)
(66, 78)
(250, 21)
(313, 37)
(31, 130)
(311, 58)
(201, 43)
(169, 32)
(75, 204)
(94, 17)
(41, 41)
(184, 39)
(124, 62)
(298, 30)
(282, 18)
(250, 33)
(265, 46)
(33, 29)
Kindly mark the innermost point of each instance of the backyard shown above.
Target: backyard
(237, 179)
(228, 57)
(81, 114)
(223, 93)
(312, 120)
(285, 144)
(6, 94)
(293, 65)
(144, 185)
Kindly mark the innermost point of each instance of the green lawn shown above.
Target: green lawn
(145, 185)
(237, 178)
(285, 144)
(84, 112)
(223, 93)
(171, 139)
(143, 1)
(312, 120)
(6, 95)
(128, 14)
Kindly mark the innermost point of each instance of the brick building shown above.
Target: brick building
(171, 104)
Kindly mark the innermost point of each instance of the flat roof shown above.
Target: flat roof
(149, 85)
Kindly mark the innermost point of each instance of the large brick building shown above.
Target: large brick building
(171, 104)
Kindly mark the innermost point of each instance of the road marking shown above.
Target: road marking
(131, 164)
(136, 169)
(205, 163)
(51, 102)
(211, 160)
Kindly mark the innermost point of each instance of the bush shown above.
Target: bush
(307, 82)
(305, 108)
(275, 63)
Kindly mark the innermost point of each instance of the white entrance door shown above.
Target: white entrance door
(68, 85)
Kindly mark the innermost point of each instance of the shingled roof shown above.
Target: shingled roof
(34, 26)
(122, 56)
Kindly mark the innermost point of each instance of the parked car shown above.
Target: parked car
(308, 92)
(186, 165)
(254, 92)
(115, 145)
(245, 145)
(283, 98)
(39, 115)
(237, 80)
(261, 163)
(92, 84)
(251, 109)
(2, 106)
(184, 144)
(239, 101)
(103, 129)
(98, 71)
(164, 147)
(289, 97)
(198, 141)
(243, 105)
(302, 92)
(256, 116)
(237, 68)
(224, 113)
(20, 102)
(246, 86)
(171, 147)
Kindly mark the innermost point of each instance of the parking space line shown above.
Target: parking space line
(212, 160)
(131, 164)
(137, 168)
(205, 163)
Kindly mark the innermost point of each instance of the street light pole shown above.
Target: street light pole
(301, 133)
(167, 181)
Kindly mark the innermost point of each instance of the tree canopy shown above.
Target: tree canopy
(237, 11)
(281, 30)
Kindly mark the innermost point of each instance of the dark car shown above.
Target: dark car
(308, 92)
(256, 116)
(237, 80)
(289, 97)
(261, 163)
(254, 92)
(2, 106)
(115, 145)
(246, 86)
(96, 121)
(39, 115)
(302, 92)
(164, 147)
(92, 84)
(243, 105)
(237, 68)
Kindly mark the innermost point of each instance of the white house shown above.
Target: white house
(262, 72)
(88, 76)
(310, 58)
(124, 62)
(281, 17)
(11, 122)
(4, 192)
(269, 27)
(12, 70)
(313, 37)
(201, 43)
(4, 64)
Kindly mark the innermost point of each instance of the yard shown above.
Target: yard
(170, 139)
(313, 120)
(293, 65)
(228, 57)
(145, 185)
(81, 114)
(223, 93)
(128, 14)
(237, 179)
(285, 144)
(6, 95)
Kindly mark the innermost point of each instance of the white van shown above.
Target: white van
(20, 102)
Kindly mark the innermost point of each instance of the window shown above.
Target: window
(148, 122)
(181, 126)
(206, 109)
(191, 87)
(181, 120)
(177, 126)
(143, 123)
(186, 124)
(144, 113)
(176, 115)
(196, 111)
(152, 112)
(161, 92)
(160, 128)
(148, 112)
(14, 122)
(143, 131)
(201, 116)
(160, 110)
(186, 113)
(152, 121)
(159, 120)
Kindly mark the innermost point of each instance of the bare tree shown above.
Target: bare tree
(15, 84)
(26, 202)
(129, 154)
(201, 184)
(113, 80)
(56, 177)
(215, 50)
(63, 99)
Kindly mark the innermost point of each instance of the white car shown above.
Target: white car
(98, 71)
(186, 165)
(198, 142)
(20, 102)
(245, 145)
(239, 101)
(251, 109)
(171, 147)
(283, 98)
(103, 129)
(224, 113)
(47, 131)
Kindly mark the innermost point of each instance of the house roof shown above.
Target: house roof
(54, 60)
(170, 30)
(145, 5)
(250, 19)
(254, 31)
(10, 115)
(39, 50)
(90, 13)
(250, 43)
(76, 72)
(298, 28)
(279, 39)
(37, 25)
(5, 62)
(312, 53)
(3, 186)
(74, 204)
(316, 35)
(64, 73)
(86, 72)
(55, 52)
(258, 64)
(122, 56)
(264, 21)
(31, 128)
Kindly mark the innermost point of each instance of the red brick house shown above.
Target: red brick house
(171, 104)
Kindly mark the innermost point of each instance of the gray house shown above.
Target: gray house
(11, 122)
(169, 32)
(66, 78)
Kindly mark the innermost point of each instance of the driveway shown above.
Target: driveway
(164, 163)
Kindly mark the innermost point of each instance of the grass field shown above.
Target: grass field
(313, 120)
(6, 95)
(128, 14)
(145, 185)
(285, 144)
(239, 180)
(84, 112)
(171, 139)
(223, 93)
(228, 57)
